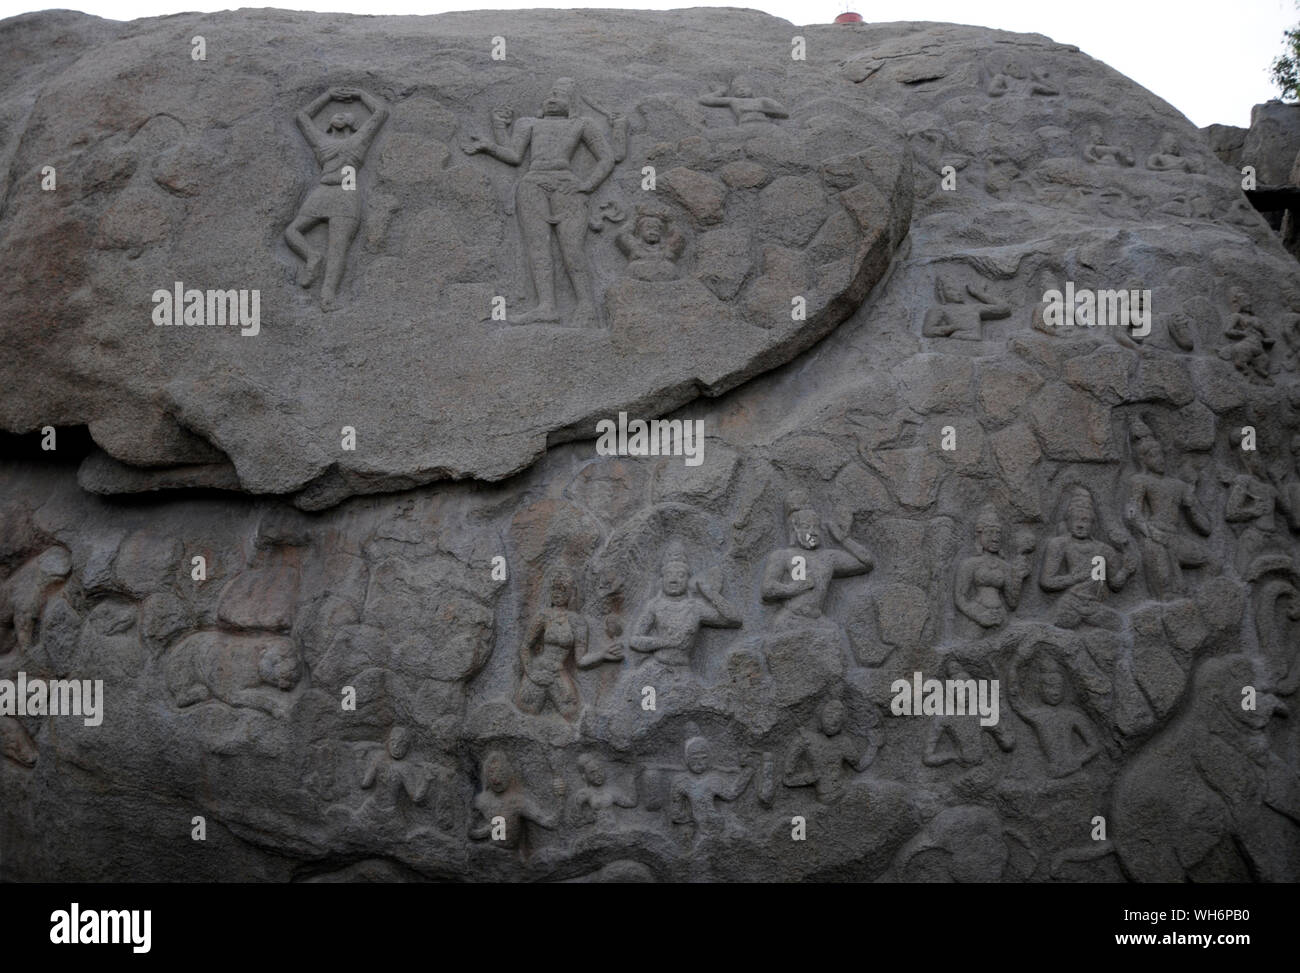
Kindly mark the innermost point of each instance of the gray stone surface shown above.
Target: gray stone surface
(828, 545)
(1226, 141)
(1272, 141)
(174, 169)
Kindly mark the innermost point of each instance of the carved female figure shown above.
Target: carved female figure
(556, 634)
(987, 584)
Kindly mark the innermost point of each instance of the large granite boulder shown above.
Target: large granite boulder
(647, 245)
(536, 650)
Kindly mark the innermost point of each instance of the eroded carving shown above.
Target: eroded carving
(651, 244)
(1155, 510)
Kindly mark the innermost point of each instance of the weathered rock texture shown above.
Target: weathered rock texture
(180, 170)
(679, 660)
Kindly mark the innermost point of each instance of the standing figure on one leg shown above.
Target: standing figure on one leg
(336, 199)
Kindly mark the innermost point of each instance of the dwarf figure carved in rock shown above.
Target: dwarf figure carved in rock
(1082, 567)
(596, 799)
(1067, 737)
(819, 756)
(960, 738)
(1098, 151)
(651, 244)
(988, 585)
(388, 773)
(555, 636)
(336, 200)
(1157, 503)
(746, 107)
(960, 315)
(550, 197)
(798, 577)
(694, 795)
(670, 623)
(504, 807)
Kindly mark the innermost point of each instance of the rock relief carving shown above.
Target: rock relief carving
(336, 198)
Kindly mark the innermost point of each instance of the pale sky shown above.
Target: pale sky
(1208, 58)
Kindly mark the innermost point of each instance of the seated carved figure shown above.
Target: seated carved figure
(651, 245)
(960, 739)
(1168, 156)
(670, 623)
(1253, 501)
(389, 774)
(1096, 150)
(1014, 78)
(1083, 568)
(798, 577)
(1249, 342)
(254, 671)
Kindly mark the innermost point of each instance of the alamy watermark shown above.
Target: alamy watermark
(212, 307)
(655, 437)
(55, 697)
(950, 697)
(1106, 308)
(98, 926)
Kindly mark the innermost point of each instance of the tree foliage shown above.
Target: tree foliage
(1286, 66)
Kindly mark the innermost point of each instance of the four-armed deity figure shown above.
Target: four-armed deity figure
(550, 196)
